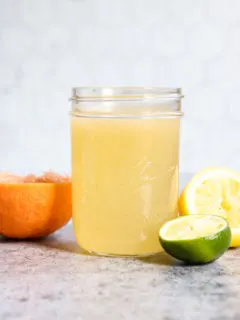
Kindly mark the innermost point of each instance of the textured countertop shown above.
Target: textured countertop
(53, 279)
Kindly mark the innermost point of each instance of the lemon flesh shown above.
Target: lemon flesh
(214, 191)
(196, 239)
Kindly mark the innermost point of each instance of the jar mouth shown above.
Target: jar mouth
(128, 93)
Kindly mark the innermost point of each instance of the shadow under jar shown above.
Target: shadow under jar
(125, 150)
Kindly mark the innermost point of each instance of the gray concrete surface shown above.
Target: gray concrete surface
(54, 279)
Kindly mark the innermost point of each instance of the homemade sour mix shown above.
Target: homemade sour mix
(124, 179)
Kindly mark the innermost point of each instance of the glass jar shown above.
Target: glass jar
(125, 150)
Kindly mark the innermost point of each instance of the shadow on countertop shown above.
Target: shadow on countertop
(61, 240)
(161, 259)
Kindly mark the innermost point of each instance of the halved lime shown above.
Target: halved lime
(196, 239)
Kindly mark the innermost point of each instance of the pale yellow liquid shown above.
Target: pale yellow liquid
(124, 182)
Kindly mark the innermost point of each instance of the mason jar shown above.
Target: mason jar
(125, 154)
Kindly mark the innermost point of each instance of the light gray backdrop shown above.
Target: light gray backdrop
(48, 46)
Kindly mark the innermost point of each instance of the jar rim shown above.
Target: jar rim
(124, 93)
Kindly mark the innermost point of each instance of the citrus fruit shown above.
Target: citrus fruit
(33, 207)
(214, 191)
(195, 239)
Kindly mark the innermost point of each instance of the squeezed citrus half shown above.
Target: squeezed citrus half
(196, 239)
(33, 207)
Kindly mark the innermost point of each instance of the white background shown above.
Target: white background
(48, 46)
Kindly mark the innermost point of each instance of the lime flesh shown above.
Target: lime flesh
(196, 239)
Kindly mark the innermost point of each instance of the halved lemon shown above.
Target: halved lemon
(214, 191)
(196, 239)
